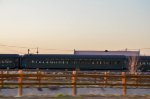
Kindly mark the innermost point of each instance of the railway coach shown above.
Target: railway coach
(9, 61)
(144, 64)
(71, 62)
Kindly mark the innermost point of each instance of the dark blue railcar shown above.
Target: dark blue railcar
(71, 62)
(144, 63)
(11, 61)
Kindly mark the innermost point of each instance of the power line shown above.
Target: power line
(65, 50)
(35, 48)
(145, 48)
(16, 46)
(56, 49)
(12, 50)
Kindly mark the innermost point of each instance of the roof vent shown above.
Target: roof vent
(106, 50)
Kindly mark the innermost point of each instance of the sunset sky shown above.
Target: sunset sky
(74, 24)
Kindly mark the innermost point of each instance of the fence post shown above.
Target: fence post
(105, 78)
(37, 72)
(39, 79)
(124, 90)
(74, 79)
(95, 79)
(136, 79)
(2, 84)
(20, 80)
(66, 73)
(7, 71)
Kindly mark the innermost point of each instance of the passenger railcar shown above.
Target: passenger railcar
(71, 62)
(144, 63)
(9, 61)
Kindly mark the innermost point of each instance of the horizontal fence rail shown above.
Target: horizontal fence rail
(73, 79)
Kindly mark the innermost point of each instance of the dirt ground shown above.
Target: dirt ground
(78, 97)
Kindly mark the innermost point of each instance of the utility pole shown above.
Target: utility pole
(37, 51)
(28, 51)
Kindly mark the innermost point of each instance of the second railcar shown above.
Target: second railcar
(71, 62)
(9, 61)
(144, 64)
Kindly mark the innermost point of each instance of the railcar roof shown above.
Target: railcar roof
(73, 56)
(145, 57)
(9, 55)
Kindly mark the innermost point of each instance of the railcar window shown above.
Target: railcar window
(42, 61)
(36, 61)
(70, 61)
(148, 63)
(79, 62)
(143, 63)
(50, 62)
(75, 61)
(97, 62)
(57, 61)
(106, 62)
(54, 61)
(112, 63)
(2, 61)
(6, 61)
(66, 61)
(103, 62)
(86, 61)
(46, 62)
(16, 60)
(109, 62)
(100, 62)
(62, 62)
(92, 61)
(115, 62)
(140, 63)
(32, 61)
(118, 62)
(82, 62)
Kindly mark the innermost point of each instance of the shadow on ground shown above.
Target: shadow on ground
(78, 97)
